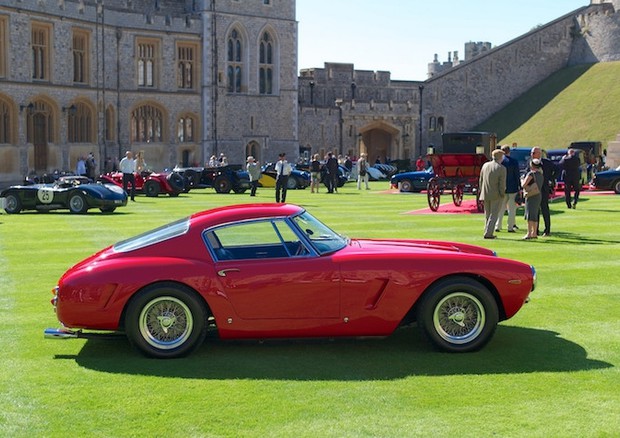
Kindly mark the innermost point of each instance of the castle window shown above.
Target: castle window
(80, 57)
(265, 70)
(147, 63)
(186, 66)
(80, 124)
(3, 46)
(5, 122)
(40, 45)
(146, 124)
(234, 70)
(185, 129)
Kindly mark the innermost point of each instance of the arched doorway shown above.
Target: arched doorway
(380, 141)
(253, 149)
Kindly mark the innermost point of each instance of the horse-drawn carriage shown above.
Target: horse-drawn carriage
(457, 173)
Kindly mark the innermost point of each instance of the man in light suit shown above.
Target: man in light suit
(492, 186)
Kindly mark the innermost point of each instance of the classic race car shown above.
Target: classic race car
(151, 183)
(66, 192)
(274, 271)
(298, 179)
(223, 179)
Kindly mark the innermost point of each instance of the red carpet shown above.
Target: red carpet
(468, 207)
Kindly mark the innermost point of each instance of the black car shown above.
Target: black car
(556, 156)
(607, 180)
(223, 179)
(67, 193)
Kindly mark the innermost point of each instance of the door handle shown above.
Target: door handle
(222, 272)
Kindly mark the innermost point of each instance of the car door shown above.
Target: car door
(268, 272)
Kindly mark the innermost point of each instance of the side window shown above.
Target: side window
(255, 240)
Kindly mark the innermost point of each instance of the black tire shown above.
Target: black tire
(166, 320)
(12, 203)
(458, 315)
(192, 177)
(151, 189)
(405, 186)
(222, 184)
(77, 203)
(239, 190)
(176, 181)
(291, 183)
(616, 187)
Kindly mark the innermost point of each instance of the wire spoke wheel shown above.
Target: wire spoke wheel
(166, 322)
(459, 317)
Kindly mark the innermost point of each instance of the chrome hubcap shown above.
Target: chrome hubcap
(166, 322)
(459, 318)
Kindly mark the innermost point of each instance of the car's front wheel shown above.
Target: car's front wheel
(13, 204)
(458, 314)
(616, 187)
(406, 186)
(166, 320)
(77, 204)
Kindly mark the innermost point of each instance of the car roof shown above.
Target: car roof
(240, 212)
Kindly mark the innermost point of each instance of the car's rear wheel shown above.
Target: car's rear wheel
(151, 188)
(406, 186)
(616, 187)
(222, 185)
(77, 203)
(166, 320)
(458, 314)
(291, 183)
(12, 203)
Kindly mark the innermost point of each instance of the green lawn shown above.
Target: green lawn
(551, 371)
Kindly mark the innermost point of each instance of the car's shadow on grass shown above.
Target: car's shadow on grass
(513, 350)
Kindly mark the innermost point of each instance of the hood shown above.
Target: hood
(422, 246)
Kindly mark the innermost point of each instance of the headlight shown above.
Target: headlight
(114, 188)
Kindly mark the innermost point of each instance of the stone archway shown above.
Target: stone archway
(380, 141)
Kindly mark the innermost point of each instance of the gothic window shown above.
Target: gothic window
(185, 129)
(440, 124)
(234, 69)
(147, 63)
(147, 124)
(80, 124)
(40, 44)
(5, 122)
(80, 57)
(3, 46)
(186, 66)
(432, 123)
(265, 69)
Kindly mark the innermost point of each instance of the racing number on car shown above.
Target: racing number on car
(45, 195)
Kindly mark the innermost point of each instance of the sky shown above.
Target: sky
(402, 36)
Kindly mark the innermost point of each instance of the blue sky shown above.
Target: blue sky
(402, 36)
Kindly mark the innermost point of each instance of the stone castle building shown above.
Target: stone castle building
(186, 79)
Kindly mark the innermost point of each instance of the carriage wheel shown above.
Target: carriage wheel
(434, 194)
(457, 194)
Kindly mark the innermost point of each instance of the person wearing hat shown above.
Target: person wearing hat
(283, 170)
(532, 202)
(254, 173)
(362, 172)
(492, 186)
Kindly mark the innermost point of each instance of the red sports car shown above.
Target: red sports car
(274, 271)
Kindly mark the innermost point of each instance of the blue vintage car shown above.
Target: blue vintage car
(412, 181)
(66, 193)
(607, 180)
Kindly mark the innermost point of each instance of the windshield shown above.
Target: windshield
(322, 237)
(152, 237)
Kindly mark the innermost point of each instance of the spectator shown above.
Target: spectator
(332, 173)
(571, 166)
(128, 166)
(492, 184)
(362, 172)
(283, 170)
(254, 171)
(512, 188)
(315, 174)
(532, 202)
(548, 187)
(80, 168)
